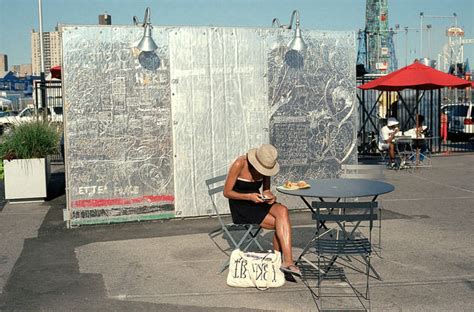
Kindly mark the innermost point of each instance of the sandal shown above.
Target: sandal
(294, 271)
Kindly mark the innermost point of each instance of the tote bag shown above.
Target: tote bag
(253, 269)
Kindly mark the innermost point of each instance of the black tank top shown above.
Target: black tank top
(247, 187)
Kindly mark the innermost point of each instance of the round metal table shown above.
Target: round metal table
(341, 188)
(337, 189)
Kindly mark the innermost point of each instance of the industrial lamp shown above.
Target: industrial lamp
(146, 44)
(297, 43)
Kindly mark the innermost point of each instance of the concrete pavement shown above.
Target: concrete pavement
(171, 265)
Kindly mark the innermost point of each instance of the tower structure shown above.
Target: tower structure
(376, 49)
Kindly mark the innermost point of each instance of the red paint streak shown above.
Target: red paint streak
(83, 203)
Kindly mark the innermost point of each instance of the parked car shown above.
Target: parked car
(26, 115)
(6, 114)
(460, 120)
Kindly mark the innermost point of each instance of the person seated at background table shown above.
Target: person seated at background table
(386, 139)
(246, 176)
(418, 133)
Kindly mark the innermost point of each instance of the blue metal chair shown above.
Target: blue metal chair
(348, 249)
(252, 232)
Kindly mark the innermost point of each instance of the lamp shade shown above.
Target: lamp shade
(297, 43)
(147, 44)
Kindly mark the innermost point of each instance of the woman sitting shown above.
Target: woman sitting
(248, 205)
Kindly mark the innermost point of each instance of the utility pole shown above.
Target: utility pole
(42, 77)
(428, 28)
(421, 34)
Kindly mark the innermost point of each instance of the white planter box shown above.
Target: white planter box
(26, 178)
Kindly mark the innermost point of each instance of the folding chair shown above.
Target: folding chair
(370, 172)
(252, 231)
(349, 248)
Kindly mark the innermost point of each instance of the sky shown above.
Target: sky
(18, 17)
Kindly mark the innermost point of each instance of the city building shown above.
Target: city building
(22, 70)
(51, 47)
(3, 63)
(105, 19)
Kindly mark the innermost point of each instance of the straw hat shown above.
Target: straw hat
(263, 159)
(392, 122)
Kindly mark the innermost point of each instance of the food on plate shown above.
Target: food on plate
(289, 184)
(295, 185)
(302, 184)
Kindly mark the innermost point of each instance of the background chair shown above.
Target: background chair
(229, 230)
(349, 249)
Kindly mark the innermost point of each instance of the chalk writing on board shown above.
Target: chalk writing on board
(292, 141)
(118, 120)
(311, 104)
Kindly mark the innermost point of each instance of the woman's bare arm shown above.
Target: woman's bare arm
(266, 190)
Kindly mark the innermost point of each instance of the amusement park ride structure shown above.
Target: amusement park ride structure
(376, 52)
(376, 49)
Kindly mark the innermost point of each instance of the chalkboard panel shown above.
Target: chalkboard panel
(312, 104)
(117, 122)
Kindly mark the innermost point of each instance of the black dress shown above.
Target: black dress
(246, 211)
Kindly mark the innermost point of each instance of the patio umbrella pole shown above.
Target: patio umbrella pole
(416, 127)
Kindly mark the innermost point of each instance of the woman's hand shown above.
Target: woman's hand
(272, 198)
(256, 198)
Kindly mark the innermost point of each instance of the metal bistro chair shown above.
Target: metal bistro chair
(349, 249)
(370, 172)
(252, 231)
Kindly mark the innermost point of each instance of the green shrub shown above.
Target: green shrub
(35, 139)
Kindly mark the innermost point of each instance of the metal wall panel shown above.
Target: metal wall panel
(219, 105)
(312, 104)
(117, 123)
(154, 127)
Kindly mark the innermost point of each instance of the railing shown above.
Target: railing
(445, 111)
(54, 103)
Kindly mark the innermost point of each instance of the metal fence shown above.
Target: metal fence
(447, 114)
(54, 103)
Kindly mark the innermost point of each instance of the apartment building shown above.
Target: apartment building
(52, 51)
(3, 63)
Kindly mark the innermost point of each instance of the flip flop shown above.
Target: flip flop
(288, 269)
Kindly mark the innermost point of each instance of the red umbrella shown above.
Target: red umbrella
(415, 76)
(56, 72)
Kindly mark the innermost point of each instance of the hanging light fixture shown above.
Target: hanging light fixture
(147, 44)
(297, 43)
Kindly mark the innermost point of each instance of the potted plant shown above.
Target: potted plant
(24, 152)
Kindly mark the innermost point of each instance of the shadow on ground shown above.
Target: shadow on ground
(46, 276)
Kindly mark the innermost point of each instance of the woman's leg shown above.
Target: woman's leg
(279, 220)
(269, 224)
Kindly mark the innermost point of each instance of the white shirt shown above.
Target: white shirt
(384, 135)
